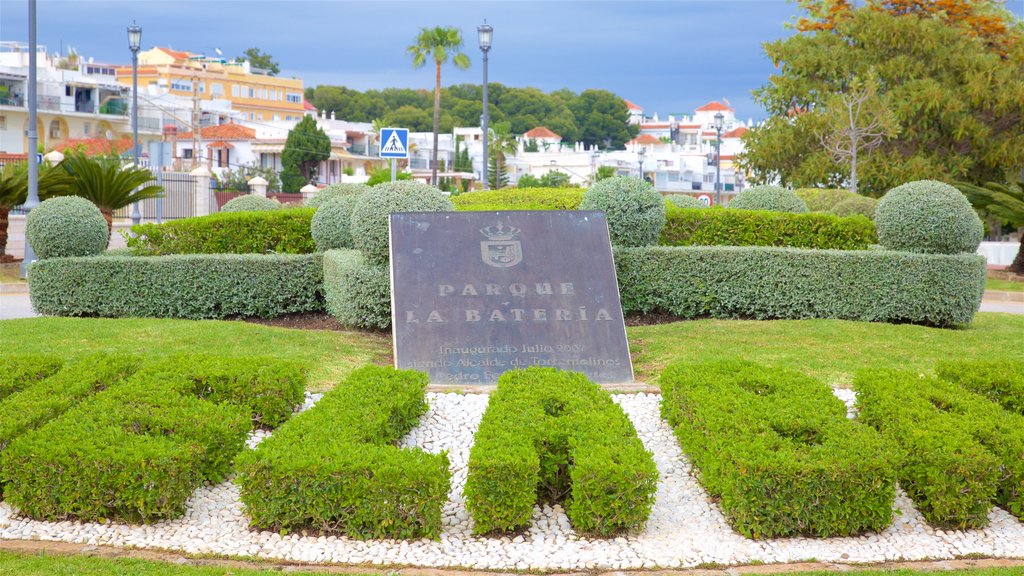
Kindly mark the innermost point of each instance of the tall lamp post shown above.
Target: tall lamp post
(719, 123)
(484, 32)
(33, 135)
(595, 157)
(134, 41)
(640, 155)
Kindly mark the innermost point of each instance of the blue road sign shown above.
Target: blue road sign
(394, 143)
(39, 158)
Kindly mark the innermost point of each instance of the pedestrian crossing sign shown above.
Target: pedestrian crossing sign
(394, 143)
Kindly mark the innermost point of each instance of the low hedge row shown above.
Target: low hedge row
(134, 452)
(335, 469)
(275, 231)
(357, 293)
(757, 282)
(557, 436)
(725, 227)
(520, 199)
(185, 286)
(960, 453)
(21, 371)
(776, 446)
(1001, 381)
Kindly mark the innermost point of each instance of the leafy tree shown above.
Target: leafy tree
(411, 117)
(604, 172)
(107, 183)
(438, 44)
(552, 179)
(238, 179)
(603, 120)
(384, 175)
(261, 60)
(52, 181)
(463, 163)
(306, 147)
(530, 145)
(1004, 202)
(496, 176)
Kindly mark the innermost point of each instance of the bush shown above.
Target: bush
(928, 217)
(862, 205)
(777, 448)
(823, 199)
(555, 435)
(66, 226)
(771, 198)
(634, 209)
(334, 191)
(249, 203)
(356, 293)
(520, 199)
(370, 217)
(335, 468)
(134, 453)
(756, 282)
(332, 224)
(722, 227)
(188, 286)
(18, 372)
(684, 201)
(1001, 381)
(284, 231)
(960, 452)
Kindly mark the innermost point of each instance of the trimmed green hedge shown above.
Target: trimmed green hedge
(960, 452)
(133, 453)
(20, 371)
(335, 468)
(520, 199)
(1001, 381)
(776, 446)
(357, 293)
(556, 436)
(187, 286)
(768, 197)
(724, 227)
(285, 231)
(635, 211)
(823, 199)
(762, 283)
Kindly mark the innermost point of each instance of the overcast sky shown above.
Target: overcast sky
(668, 56)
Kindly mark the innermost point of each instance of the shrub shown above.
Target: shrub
(66, 226)
(332, 224)
(928, 217)
(634, 209)
(281, 231)
(721, 227)
(335, 468)
(356, 293)
(249, 203)
(133, 453)
(862, 205)
(555, 435)
(823, 199)
(777, 448)
(756, 282)
(370, 217)
(520, 199)
(960, 452)
(1001, 381)
(334, 191)
(684, 201)
(20, 371)
(188, 286)
(771, 198)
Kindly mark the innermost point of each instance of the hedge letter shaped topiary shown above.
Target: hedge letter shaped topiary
(334, 191)
(634, 209)
(66, 226)
(771, 198)
(929, 217)
(557, 436)
(331, 226)
(249, 203)
(371, 214)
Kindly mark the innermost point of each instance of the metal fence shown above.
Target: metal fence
(178, 200)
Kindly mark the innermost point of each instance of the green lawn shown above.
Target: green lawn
(1004, 285)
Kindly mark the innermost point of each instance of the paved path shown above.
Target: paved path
(16, 306)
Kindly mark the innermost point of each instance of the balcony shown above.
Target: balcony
(12, 100)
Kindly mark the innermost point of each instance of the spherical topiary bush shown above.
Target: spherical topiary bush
(331, 226)
(929, 217)
(771, 198)
(634, 209)
(370, 215)
(333, 191)
(249, 203)
(66, 226)
(685, 201)
(863, 205)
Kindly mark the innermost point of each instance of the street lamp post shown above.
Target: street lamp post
(33, 135)
(484, 32)
(134, 41)
(719, 121)
(595, 157)
(640, 155)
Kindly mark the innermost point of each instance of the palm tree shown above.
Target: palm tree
(105, 182)
(53, 181)
(501, 143)
(440, 44)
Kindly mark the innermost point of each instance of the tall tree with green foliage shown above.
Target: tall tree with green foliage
(603, 120)
(306, 147)
(1004, 202)
(956, 98)
(261, 60)
(439, 44)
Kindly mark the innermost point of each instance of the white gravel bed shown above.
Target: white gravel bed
(685, 529)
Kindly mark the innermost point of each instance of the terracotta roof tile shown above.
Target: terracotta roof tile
(95, 146)
(541, 132)
(176, 54)
(230, 131)
(631, 105)
(736, 133)
(8, 157)
(646, 139)
(714, 107)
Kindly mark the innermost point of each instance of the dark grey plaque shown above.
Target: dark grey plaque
(477, 293)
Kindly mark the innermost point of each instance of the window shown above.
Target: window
(216, 89)
(186, 153)
(251, 92)
(86, 128)
(234, 90)
(67, 90)
(202, 87)
(294, 98)
(252, 116)
(260, 116)
(182, 85)
(277, 117)
(263, 93)
(55, 130)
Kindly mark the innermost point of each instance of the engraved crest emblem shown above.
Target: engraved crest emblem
(501, 249)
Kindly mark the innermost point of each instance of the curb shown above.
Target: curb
(14, 288)
(1001, 296)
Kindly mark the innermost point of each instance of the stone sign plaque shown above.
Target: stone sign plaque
(477, 293)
